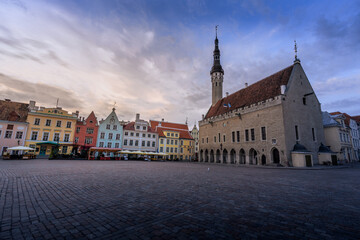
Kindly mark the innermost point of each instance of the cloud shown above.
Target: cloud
(348, 105)
(122, 52)
(44, 94)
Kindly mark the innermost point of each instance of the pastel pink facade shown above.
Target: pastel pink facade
(12, 134)
(13, 125)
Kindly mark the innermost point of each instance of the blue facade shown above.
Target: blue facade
(110, 132)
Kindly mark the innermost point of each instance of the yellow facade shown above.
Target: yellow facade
(50, 128)
(176, 147)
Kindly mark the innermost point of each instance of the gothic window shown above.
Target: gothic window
(247, 135)
(238, 136)
(313, 134)
(252, 134)
(296, 133)
(263, 133)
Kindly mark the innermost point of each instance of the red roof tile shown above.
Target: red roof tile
(262, 90)
(356, 118)
(183, 129)
(13, 111)
(131, 126)
(347, 117)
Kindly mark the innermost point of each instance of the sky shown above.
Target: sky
(154, 57)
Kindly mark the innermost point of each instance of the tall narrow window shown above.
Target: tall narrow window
(34, 135)
(252, 134)
(214, 139)
(219, 138)
(313, 134)
(247, 135)
(224, 138)
(296, 133)
(263, 133)
(238, 136)
(233, 136)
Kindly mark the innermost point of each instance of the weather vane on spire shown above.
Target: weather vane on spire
(295, 48)
(114, 106)
(216, 30)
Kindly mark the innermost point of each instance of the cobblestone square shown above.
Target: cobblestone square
(43, 199)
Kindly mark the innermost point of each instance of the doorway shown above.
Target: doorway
(43, 150)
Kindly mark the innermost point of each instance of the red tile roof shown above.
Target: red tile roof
(356, 118)
(262, 90)
(347, 117)
(91, 116)
(13, 111)
(131, 126)
(183, 129)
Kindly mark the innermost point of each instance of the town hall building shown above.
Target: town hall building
(275, 121)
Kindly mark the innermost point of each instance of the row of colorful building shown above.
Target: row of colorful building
(46, 129)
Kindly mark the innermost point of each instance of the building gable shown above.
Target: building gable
(262, 90)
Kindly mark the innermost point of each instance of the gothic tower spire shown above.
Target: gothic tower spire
(217, 73)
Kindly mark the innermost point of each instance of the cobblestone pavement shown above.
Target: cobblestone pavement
(42, 199)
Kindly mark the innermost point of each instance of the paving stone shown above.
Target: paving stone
(42, 199)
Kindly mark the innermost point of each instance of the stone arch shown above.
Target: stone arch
(253, 157)
(211, 155)
(201, 155)
(242, 156)
(275, 155)
(232, 156)
(218, 155)
(225, 155)
(263, 160)
(206, 156)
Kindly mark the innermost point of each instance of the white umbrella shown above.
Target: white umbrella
(23, 148)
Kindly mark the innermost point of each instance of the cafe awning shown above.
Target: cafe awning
(21, 148)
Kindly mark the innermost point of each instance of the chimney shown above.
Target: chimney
(7, 100)
(137, 116)
(77, 113)
(162, 119)
(283, 89)
(246, 84)
(42, 108)
(203, 116)
(32, 105)
(227, 94)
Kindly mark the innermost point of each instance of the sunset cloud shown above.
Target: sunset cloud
(158, 63)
